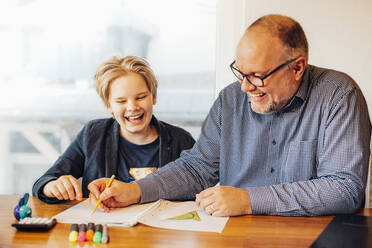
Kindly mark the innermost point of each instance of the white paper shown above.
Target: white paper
(81, 213)
(154, 214)
(158, 217)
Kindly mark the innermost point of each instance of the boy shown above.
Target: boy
(130, 145)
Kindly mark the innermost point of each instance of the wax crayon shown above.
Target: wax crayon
(82, 232)
(105, 237)
(73, 233)
(98, 234)
(90, 233)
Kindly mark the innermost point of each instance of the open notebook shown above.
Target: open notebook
(163, 214)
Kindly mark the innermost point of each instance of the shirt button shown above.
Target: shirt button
(272, 170)
(273, 142)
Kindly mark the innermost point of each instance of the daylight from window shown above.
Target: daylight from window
(49, 53)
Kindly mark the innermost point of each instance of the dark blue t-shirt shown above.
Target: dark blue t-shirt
(137, 161)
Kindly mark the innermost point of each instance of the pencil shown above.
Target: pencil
(107, 185)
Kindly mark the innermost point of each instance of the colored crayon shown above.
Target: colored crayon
(105, 237)
(73, 233)
(82, 232)
(98, 234)
(90, 232)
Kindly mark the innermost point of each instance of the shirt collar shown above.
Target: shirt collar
(300, 97)
(304, 86)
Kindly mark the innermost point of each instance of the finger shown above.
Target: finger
(47, 190)
(93, 187)
(107, 204)
(77, 188)
(197, 200)
(104, 207)
(69, 188)
(108, 193)
(55, 192)
(62, 190)
(206, 193)
(92, 199)
(210, 209)
(219, 213)
(205, 202)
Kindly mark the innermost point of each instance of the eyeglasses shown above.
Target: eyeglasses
(256, 80)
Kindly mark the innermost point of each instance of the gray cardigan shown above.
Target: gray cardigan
(94, 153)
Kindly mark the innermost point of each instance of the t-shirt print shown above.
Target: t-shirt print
(139, 173)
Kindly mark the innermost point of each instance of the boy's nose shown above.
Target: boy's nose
(132, 105)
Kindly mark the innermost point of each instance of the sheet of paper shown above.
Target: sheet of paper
(154, 214)
(81, 213)
(159, 217)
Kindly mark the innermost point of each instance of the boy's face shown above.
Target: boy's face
(131, 104)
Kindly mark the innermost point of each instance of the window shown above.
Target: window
(50, 50)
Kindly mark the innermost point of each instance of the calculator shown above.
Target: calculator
(35, 224)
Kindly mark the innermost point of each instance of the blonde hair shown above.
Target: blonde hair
(116, 67)
(287, 30)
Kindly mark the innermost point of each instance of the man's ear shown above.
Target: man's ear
(154, 100)
(299, 67)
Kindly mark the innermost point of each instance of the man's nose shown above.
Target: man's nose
(246, 86)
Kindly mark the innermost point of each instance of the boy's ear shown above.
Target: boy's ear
(109, 109)
(153, 100)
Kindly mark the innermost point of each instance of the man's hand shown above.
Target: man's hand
(224, 201)
(118, 195)
(64, 188)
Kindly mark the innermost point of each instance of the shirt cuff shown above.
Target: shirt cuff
(262, 200)
(149, 192)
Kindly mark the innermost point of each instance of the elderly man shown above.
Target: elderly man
(287, 139)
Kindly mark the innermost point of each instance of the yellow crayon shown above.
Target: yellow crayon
(73, 233)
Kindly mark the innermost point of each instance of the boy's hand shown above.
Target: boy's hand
(64, 188)
(120, 194)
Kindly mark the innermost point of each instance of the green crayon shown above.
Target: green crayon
(98, 234)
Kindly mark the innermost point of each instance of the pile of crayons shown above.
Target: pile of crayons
(96, 233)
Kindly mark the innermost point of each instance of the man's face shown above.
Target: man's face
(258, 53)
(131, 105)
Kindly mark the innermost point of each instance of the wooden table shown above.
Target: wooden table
(243, 231)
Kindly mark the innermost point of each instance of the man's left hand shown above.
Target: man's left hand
(224, 201)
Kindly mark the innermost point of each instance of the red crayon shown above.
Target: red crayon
(82, 233)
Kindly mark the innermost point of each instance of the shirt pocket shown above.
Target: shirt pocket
(300, 162)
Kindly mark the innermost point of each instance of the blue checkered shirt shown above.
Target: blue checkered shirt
(309, 158)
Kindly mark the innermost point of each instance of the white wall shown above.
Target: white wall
(339, 33)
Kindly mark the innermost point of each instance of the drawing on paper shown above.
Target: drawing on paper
(188, 216)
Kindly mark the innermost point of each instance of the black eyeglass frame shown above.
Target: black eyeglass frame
(235, 71)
